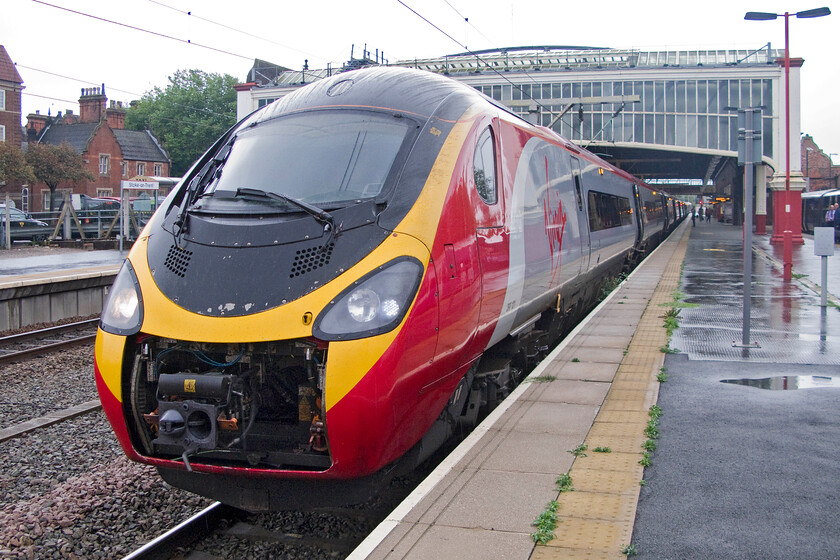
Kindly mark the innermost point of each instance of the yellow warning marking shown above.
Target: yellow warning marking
(189, 385)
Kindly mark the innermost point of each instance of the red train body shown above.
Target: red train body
(349, 277)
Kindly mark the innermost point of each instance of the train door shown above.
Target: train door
(583, 221)
(640, 221)
(491, 238)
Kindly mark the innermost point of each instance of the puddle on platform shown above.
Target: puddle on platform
(788, 382)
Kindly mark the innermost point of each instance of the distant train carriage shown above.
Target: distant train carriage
(814, 206)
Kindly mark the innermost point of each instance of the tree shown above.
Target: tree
(188, 116)
(13, 166)
(53, 164)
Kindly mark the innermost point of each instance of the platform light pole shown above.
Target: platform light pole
(787, 227)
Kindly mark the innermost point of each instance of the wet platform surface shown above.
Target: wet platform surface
(787, 322)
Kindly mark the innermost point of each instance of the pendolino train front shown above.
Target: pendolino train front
(312, 304)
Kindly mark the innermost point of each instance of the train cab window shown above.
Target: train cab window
(484, 167)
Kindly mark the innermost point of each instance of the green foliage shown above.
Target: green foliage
(649, 445)
(13, 166)
(645, 460)
(564, 483)
(53, 164)
(579, 450)
(188, 115)
(611, 284)
(575, 360)
(545, 378)
(629, 550)
(655, 412)
(662, 377)
(600, 449)
(545, 523)
(651, 430)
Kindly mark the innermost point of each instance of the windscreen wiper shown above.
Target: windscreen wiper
(196, 187)
(319, 214)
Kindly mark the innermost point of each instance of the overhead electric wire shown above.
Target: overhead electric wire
(150, 32)
(467, 20)
(192, 14)
(487, 64)
(90, 82)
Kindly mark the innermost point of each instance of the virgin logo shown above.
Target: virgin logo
(555, 222)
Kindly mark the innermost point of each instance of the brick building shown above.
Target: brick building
(110, 152)
(817, 167)
(11, 85)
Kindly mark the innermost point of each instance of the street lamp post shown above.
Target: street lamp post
(787, 227)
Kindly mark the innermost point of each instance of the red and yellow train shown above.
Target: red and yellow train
(349, 277)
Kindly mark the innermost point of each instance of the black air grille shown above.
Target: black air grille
(307, 260)
(177, 260)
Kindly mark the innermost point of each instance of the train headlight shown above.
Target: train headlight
(374, 304)
(123, 314)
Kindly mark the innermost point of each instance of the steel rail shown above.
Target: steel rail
(198, 526)
(45, 349)
(20, 337)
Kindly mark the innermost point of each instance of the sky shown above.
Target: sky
(58, 50)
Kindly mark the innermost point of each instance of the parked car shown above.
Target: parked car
(23, 226)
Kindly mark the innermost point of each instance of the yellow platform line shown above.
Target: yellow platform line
(595, 521)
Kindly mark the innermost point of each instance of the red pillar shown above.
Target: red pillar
(784, 219)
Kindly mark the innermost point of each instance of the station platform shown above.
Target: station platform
(730, 463)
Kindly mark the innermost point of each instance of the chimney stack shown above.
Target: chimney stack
(92, 105)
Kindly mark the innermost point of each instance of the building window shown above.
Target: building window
(100, 193)
(158, 170)
(104, 164)
(2, 133)
(141, 168)
(2, 99)
(123, 169)
(24, 199)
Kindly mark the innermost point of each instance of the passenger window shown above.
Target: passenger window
(484, 167)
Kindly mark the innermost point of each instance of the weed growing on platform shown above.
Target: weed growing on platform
(798, 275)
(645, 460)
(575, 360)
(649, 445)
(655, 412)
(669, 350)
(629, 550)
(662, 377)
(564, 483)
(545, 378)
(600, 449)
(545, 523)
(643, 482)
(651, 430)
(579, 450)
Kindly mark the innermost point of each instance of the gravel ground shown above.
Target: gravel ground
(35, 387)
(67, 491)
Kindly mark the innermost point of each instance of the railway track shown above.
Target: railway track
(23, 346)
(221, 531)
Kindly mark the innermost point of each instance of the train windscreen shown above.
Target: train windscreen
(318, 157)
